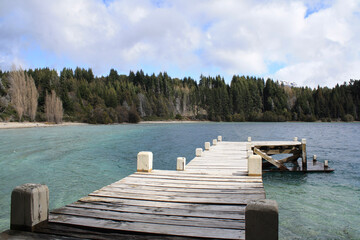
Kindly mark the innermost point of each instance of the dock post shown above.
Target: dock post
(326, 164)
(262, 220)
(254, 165)
(249, 139)
(207, 146)
(214, 142)
(249, 153)
(295, 139)
(198, 152)
(180, 164)
(248, 146)
(219, 138)
(29, 206)
(144, 161)
(303, 154)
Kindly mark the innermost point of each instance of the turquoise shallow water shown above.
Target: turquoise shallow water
(76, 160)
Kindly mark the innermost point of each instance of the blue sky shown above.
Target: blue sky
(309, 42)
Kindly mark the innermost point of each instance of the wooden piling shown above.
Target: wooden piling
(180, 164)
(29, 206)
(262, 220)
(207, 146)
(303, 154)
(144, 161)
(198, 152)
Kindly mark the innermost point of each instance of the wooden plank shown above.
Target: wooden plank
(193, 186)
(242, 199)
(275, 143)
(173, 205)
(190, 231)
(184, 192)
(155, 179)
(21, 235)
(235, 215)
(75, 232)
(193, 174)
(189, 178)
(155, 189)
(151, 218)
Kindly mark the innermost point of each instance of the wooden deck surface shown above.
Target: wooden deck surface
(207, 200)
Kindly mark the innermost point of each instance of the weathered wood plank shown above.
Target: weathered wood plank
(180, 198)
(215, 214)
(21, 235)
(181, 174)
(150, 227)
(192, 186)
(155, 189)
(174, 205)
(151, 218)
(188, 178)
(76, 232)
(184, 192)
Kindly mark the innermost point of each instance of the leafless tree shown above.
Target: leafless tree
(23, 94)
(18, 91)
(32, 96)
(53, 108)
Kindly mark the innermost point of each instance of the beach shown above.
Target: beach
(8, 125)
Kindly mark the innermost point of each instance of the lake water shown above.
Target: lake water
(76, 160)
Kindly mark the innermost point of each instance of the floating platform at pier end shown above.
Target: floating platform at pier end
(206, 198)
(296, 162)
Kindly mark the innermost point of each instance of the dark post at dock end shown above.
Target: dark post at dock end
(303, 154)
(29, 206)
(262, 220)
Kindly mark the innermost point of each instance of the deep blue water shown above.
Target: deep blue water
(76, 160)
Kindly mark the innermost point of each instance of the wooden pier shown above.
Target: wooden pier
(207, 198)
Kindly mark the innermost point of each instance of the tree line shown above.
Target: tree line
(77, 95)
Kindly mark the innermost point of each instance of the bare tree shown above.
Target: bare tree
(32, 96)
(23, 93)
(18, 91)
(53, 108)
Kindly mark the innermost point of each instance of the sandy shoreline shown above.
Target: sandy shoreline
(9, 125)
(171, 121)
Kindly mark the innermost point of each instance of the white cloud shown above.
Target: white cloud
(230, 36)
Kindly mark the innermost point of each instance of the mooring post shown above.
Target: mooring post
(180, 164)
(219, 138)
(262, 220)
(207, 146)
(249, 139)
(295, 139)
(29, 206)
(214, 142)
(254, 165)
(198, 152)
(326, 164)
(144, 161)
(303, 154)
(248, 146)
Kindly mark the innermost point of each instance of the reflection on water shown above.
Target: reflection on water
(76, 160)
